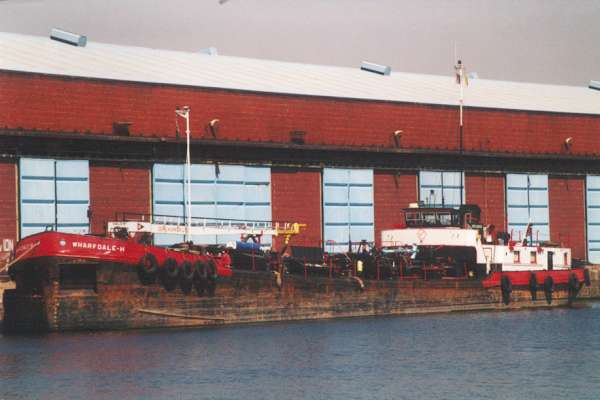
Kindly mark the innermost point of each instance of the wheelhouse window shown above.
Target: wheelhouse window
(432, 218)
(533, 257)
(516, 257)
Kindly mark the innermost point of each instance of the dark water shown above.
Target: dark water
(514, 355)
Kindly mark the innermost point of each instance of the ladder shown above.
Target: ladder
(165, 224)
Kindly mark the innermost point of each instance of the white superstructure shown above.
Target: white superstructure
(517, 257)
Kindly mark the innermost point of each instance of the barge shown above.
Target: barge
(437, 260)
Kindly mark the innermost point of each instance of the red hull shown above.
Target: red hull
(522, 278)
(56, 244)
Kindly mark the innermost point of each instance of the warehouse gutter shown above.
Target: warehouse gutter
(109, 148)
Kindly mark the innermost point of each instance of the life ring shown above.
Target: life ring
(506, 287)
(147, 268)
(586, 277)
(533, 285)
(548, 288)
(186, 276)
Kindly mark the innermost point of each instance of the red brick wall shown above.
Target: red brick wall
(489, 193)
(71, 104)
(392, 193)
(8, 202)
(296, 197)
(566, 198)
(118, 189)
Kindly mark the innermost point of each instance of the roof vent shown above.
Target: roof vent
(121, 128)
(375, 68)
(68, 37)
(594, 85)
(211, 51)
(297, 137)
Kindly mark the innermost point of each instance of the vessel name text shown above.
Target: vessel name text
(98, 246)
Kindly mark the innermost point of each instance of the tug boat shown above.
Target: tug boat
(437, 260)
(452, 243)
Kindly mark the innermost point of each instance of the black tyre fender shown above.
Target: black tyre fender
(212, 270)
(171, 269)
(586, 277)
(533, 285)
(186, 271)
(148, 265)
(147, 268)
(200, 269)
(506, 284)
(573, 282)
(548, 288)
(506, 287)
(211, 275)
(186, 277)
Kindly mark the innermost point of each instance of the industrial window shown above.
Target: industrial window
(54, 194)
(441, 188)
(593, 218)
(527, 202)
(347, 208)
(235, 192)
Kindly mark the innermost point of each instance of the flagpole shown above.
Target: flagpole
(189, 176)
(461, 72)
(461, 80)
(185, 113)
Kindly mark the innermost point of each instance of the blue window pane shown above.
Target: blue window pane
(233, 192)
(347, 207)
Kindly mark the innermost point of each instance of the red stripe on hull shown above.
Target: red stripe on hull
(521, 278)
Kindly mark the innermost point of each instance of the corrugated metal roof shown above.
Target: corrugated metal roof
(106, 61)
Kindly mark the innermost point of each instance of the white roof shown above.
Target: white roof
(127, 63)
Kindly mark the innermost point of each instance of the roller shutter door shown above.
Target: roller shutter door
(54, 194)
(347, 207)
(239, 193)
(441, 189)
(593, 218)
(527, 200)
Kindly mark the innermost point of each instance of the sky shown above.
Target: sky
(544, 41)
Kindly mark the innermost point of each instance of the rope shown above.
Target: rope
(21, 256)
(170, 314)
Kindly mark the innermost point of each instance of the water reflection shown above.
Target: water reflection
(543, 354)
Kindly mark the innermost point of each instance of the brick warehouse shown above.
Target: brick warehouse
(90, 131)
